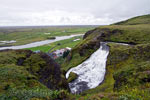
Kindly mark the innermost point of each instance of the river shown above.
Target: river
(40, 43)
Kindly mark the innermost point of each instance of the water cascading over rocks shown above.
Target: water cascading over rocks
(91, 72)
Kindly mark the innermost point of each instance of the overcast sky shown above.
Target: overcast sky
(69, 12)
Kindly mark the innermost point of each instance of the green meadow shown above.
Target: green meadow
(25, 35)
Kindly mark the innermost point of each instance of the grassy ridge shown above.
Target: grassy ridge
(136, 20)
(129, 33)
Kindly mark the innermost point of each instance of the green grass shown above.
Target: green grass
(29, 35)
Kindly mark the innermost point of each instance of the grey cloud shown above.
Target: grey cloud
(47, 12)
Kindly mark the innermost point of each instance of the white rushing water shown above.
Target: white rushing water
(91, 72)
(39, 43)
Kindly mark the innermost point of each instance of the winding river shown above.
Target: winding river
(40, 43)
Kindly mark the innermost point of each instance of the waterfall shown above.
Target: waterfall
(91, 72)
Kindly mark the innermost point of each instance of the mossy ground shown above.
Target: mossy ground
(18, 84)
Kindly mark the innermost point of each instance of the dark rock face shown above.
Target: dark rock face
(92, 45)
(102, 34)
(48, 72)
(88, 33)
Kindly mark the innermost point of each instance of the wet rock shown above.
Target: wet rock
(72, 77)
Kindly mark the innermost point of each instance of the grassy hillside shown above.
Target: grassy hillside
(18, 84)
(25, 75)
(127, 76)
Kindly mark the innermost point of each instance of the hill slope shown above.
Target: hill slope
(136, 20)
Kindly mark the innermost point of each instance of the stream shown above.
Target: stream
(91, 72)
